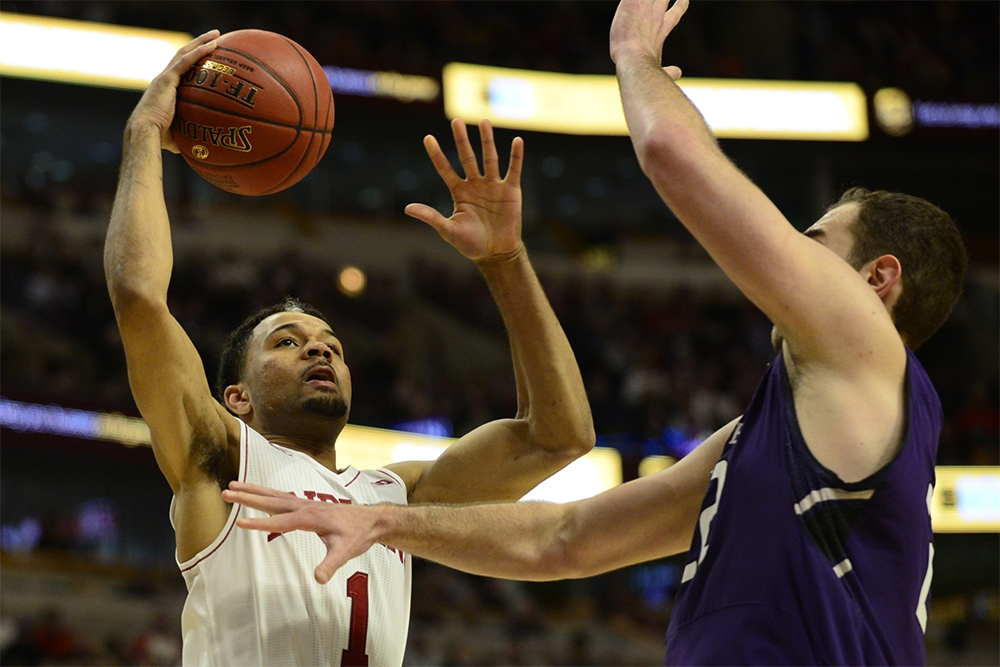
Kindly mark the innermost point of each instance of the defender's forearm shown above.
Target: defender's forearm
(514, 541)
(662, 121)
(551, 394)
(137, 254)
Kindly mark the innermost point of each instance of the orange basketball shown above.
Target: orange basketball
(255, 115)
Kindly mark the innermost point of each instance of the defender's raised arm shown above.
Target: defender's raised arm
(834, 317)
(804, 288)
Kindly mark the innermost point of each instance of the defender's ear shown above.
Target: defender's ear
(238, 399)
(885, 276)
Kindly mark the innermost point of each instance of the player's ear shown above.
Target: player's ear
(885, 276)
(237, 399)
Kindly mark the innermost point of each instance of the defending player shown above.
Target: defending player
(252, 597)
(807, 519)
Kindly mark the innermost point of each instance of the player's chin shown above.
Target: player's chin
(331, 405)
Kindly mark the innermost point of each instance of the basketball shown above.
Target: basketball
(255, 115)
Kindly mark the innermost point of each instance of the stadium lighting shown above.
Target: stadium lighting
(364, 446)
(99, 54)
(83, 52)
(966, 499)
(366, 83)
(591, 104)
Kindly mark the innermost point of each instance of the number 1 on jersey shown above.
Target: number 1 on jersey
(357, 639)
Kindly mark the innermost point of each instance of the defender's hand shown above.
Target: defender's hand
(486, 223)
(346, 530)
(157, 103)
(640, 28)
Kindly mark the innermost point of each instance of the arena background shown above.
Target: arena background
(667, 349)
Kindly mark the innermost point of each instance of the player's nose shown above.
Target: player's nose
(318, 348)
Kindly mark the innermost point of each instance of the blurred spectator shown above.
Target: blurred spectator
(46, 640)
(55, 640)
(694, 369)
(978, 426)
(156, 646)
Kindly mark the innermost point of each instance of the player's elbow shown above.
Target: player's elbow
(585, 442)
(571, 437)
(133, 300)
(128, 291)
(577, 440)
(564, 448)
(668, 150)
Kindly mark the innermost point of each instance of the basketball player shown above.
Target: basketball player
(285, 389)
(806, 519)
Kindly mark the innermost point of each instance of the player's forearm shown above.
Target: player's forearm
(663, 123)
(137, 252)
(729, 216)
(551, 395)
(523, 541)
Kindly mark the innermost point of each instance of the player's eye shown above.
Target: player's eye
(285, 342)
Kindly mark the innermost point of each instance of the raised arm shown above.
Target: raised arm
(641, 520)
(837, 329)
(806, 289)
(504, 459)
(168, 380)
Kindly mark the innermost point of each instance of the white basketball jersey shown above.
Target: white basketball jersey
(253, 599)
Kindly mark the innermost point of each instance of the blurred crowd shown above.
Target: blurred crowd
(459, 620)
(456, 619)
(49, 638)
(939, 50)
(662, 367)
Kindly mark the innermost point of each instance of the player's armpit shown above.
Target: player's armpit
(410, 472)
(171, 391)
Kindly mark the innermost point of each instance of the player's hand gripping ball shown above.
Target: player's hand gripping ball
(255, 115)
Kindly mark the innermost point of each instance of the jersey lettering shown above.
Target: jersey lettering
(925, 588)
(315, 495)
(705, 520)
(357, 639)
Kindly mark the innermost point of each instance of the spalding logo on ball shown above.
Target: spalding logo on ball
(255, 115)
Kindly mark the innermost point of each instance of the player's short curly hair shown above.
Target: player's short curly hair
(234, 351)
(929, 248)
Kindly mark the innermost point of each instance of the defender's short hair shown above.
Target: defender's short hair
(929, 248)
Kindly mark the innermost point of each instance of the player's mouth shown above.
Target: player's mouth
(321, 375)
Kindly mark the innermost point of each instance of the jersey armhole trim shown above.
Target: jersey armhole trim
(792, 421)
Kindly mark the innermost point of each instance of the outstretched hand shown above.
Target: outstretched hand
(157, 103)
(346, 530)
(641, 26)
(486, 223)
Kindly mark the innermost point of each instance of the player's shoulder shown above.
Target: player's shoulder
(408, 472)
(380, 485)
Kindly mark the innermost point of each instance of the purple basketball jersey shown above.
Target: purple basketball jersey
(790, 565)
